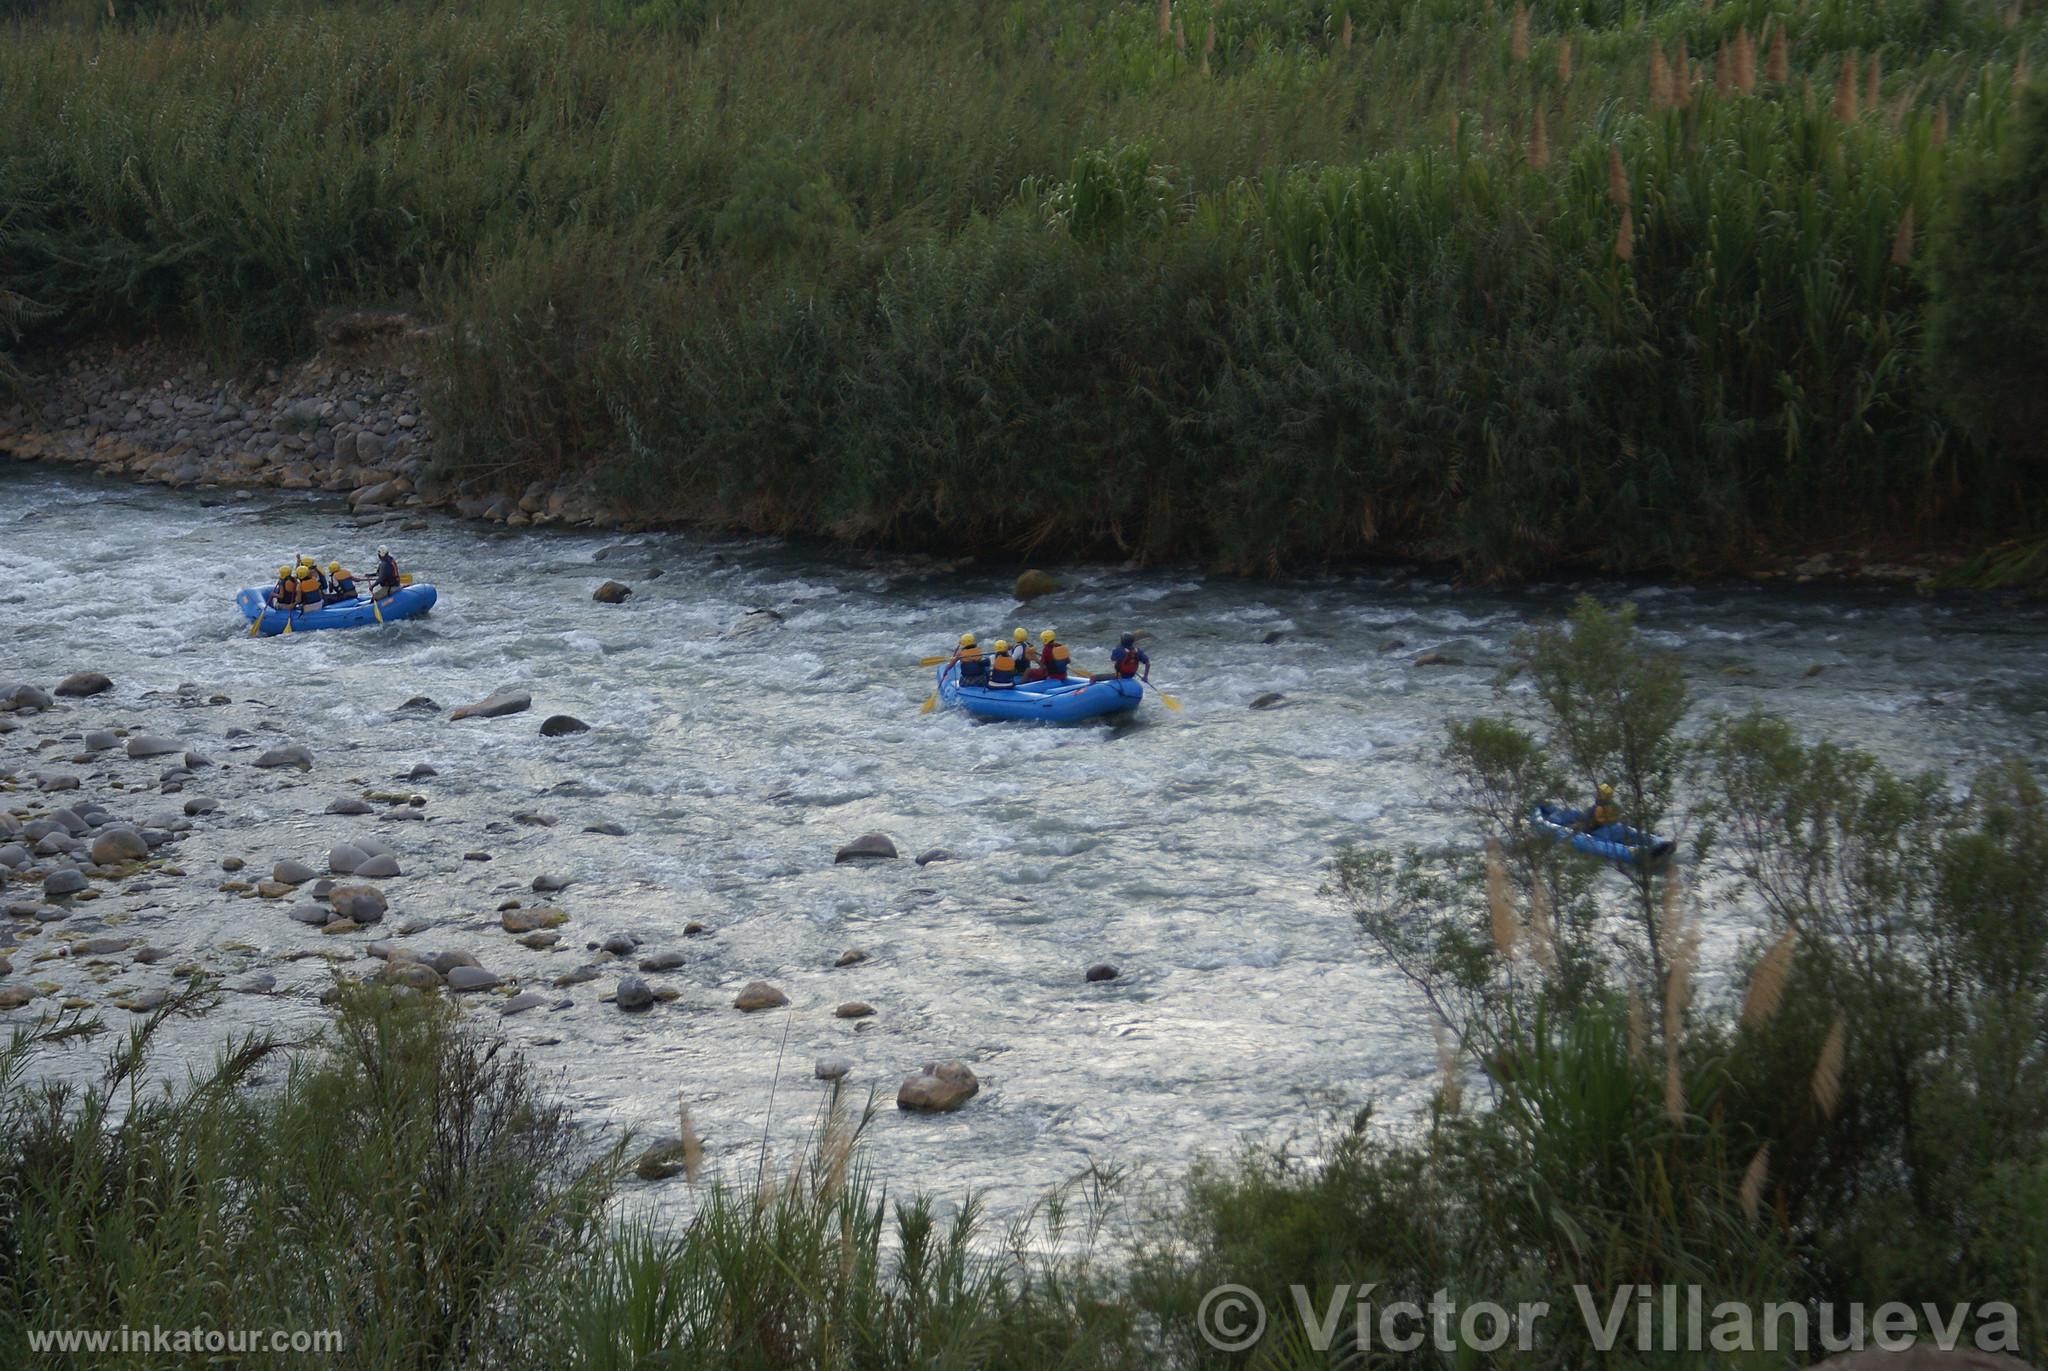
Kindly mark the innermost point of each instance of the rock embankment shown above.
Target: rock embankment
(348, 422)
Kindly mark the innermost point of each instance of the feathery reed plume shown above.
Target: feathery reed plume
(1502, 922)
(1539, 141)
(1873, 82)
(1745, 61)
(1767, 982)
(1208, 46)
(1681, 62)
(1660, 77)
(1680, 939)
(1845, 90)
(1724, 77)
(1751, 1191)
(1778, 65)
(1518, 34)
(1638, 1027)
(1938, 135)
(1617, 177)
(1625, 236)
(1827, 1072)
(835, 1149)
(1344, 34)
(1542, 933)
(693, 1146)
(2012, 15)
(1450, 1090)
(1902, 241)
(1674, 1085)
(1165, 20)
(1180, 36)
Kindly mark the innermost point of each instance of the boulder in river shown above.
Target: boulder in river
(853, 956)
(64, 881)
(1268, 700)
(562, 725)
(853, 1009)
(348, 804)
(377, 867)
(520, 1003)
(1033, 584)
(664, 1159)
(545, 884)
(868, 847)
(291, 754)
(495, 705)
(116, 844)
(290, 872)
(24, 697)
(343, 859)
(82, 683)
(422, 704)
(758, 995)
(937, 854)
(1101, 971)
(633, 993)
(365, 904)
(831, 1068)
(611, 593)
(662, 961)
(529, 920)
(469, 978)
(153, 745)
(938, 1089)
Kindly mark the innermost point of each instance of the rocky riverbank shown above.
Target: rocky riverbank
(349, 421)
(155, 841)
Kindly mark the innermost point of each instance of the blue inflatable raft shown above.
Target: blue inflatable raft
(1046, 702)
(1611, 842)
(409, 602)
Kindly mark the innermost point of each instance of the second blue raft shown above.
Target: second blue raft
(1046, 702)
(1612, 842)
(407, 603)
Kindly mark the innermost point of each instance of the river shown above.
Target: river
(739, 754)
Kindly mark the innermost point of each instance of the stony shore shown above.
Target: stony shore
(348, 422)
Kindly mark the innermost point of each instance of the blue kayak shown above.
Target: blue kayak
(1611, 842)
(1046, 702)
(409, 602)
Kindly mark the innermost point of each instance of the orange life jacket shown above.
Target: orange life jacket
(1055, 658)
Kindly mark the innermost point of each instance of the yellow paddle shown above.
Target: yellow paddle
(934, 661)
(1164, 698)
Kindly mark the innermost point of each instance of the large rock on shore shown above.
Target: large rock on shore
(495, 705)
(938, 1089)
(362, 903)
(1033, 584)
(13, 696)
(758, 995)
(117, 844)
(83, 683)
(291, 754)
(152, 745)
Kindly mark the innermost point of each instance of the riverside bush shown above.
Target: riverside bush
(1634, 286)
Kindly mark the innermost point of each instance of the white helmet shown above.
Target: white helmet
(383, 551)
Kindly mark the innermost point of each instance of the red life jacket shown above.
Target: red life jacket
(1055, 657)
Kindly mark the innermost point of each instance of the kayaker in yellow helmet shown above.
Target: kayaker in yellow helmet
(1602, 812)
(1054, 660)
(1004, 667)
(971, 661)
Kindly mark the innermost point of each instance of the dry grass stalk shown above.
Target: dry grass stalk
(1679, 937)
(693, 1146)
(1344, 34)
(1180, 36)
(1564, 61)
(1502, 922)
(1827, 1072)
(1778, 65)
(1745, 61)
(1902, 241)
(1625, 236)
(1751, 1193)
(835, 1150)
(1638, 1027)
(1165, 20)
(1938, 135)
(1450, 1089)
(1767, 982)
(1660, 78)
(1539, 142)
(1542, 933)
(1617, 177)
(1674, 1085)
(1681, 61)
(1724, 81)
(1518, 36)
(1845, 90)
(1873, 82)
(1208, 46)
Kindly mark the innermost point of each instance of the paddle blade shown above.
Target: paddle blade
(255, 623)
(931, 702)
(933, 661)
(405, 578)
(287, 626)
(377, 610)
(1167, 699)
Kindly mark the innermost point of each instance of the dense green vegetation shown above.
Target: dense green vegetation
(1852, 1109)
(1261, 281)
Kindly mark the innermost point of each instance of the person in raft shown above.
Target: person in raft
(340, 584)
(1603, 811)
(1021, 646)
(973, 666)
(285, 594)
(312, 590)
(1006, 665)
(387, 582)
(1054, 661)
(1128, 659)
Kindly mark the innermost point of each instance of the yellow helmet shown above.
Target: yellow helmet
(1046, 636)
(1020, 635)
(967, 640)
(283, 572)
(334, 566)
(1606, 791)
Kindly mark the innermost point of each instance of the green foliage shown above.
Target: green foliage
(1334, 329)
(1991, 271)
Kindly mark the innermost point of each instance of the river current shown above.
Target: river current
(739, 753)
